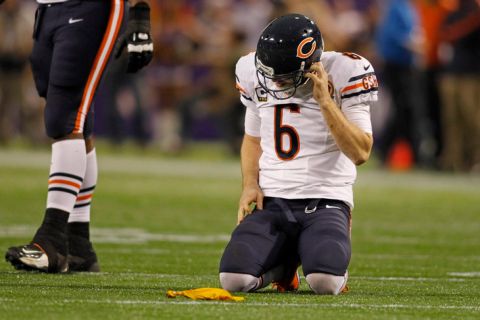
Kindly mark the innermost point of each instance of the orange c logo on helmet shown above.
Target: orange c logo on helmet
(303, 55)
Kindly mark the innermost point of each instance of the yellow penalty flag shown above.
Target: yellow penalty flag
(205, 294)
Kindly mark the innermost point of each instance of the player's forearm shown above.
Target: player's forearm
(352, 141)
(250, 156)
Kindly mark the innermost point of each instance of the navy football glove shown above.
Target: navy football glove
(136, 38)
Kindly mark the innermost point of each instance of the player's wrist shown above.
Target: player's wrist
(325, 101)
(139, 15)
(140, 11)
(250, 184)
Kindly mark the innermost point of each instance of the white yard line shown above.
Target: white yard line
(353, 277)
(416, 279)
(132, 165)
(246, 303)
(122, 235)
(459, 278)
(139, 236)
(475, 274)
(231, 170)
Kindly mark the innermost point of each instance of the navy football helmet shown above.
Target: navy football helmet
(286, 49)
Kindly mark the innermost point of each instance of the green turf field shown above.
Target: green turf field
(161, 223)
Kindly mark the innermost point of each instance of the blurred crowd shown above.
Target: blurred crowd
(426, 54)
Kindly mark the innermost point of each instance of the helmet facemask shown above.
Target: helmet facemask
(280, 86)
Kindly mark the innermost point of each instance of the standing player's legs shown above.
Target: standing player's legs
(81, 256)
(76, 55)
(257, 251)
(325, 249)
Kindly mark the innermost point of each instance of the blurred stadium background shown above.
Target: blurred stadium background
(186, 95)
(168, 141)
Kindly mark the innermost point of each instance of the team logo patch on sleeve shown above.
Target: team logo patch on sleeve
(359, 85)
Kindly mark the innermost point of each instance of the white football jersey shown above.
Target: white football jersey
(300, 158)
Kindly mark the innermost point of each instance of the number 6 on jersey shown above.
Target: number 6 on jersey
(283, 129)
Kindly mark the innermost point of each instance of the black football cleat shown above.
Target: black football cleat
(289, 284)
(81, 256)
(80, 264)
(291, 280)
(35, 257)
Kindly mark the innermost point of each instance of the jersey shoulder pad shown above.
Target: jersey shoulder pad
(353, 77)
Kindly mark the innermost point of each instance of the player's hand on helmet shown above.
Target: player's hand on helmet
(250, 194)
(136, 38)
(319, 78)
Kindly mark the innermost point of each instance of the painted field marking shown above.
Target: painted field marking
(122, 235)
(231, 170)
(250, 304)
(140, 236)
(210, 276)
(474, 274)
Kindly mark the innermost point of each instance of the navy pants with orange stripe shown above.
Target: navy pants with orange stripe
(73, 41)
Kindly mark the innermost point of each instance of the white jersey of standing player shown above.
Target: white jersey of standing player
(300, 158)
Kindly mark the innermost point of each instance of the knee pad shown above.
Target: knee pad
(61, 110)
(327, 256)
(236, 282)
(55, 128)
(253, 247)
(323, 283)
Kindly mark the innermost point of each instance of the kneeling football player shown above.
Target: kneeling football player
(307, 127)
